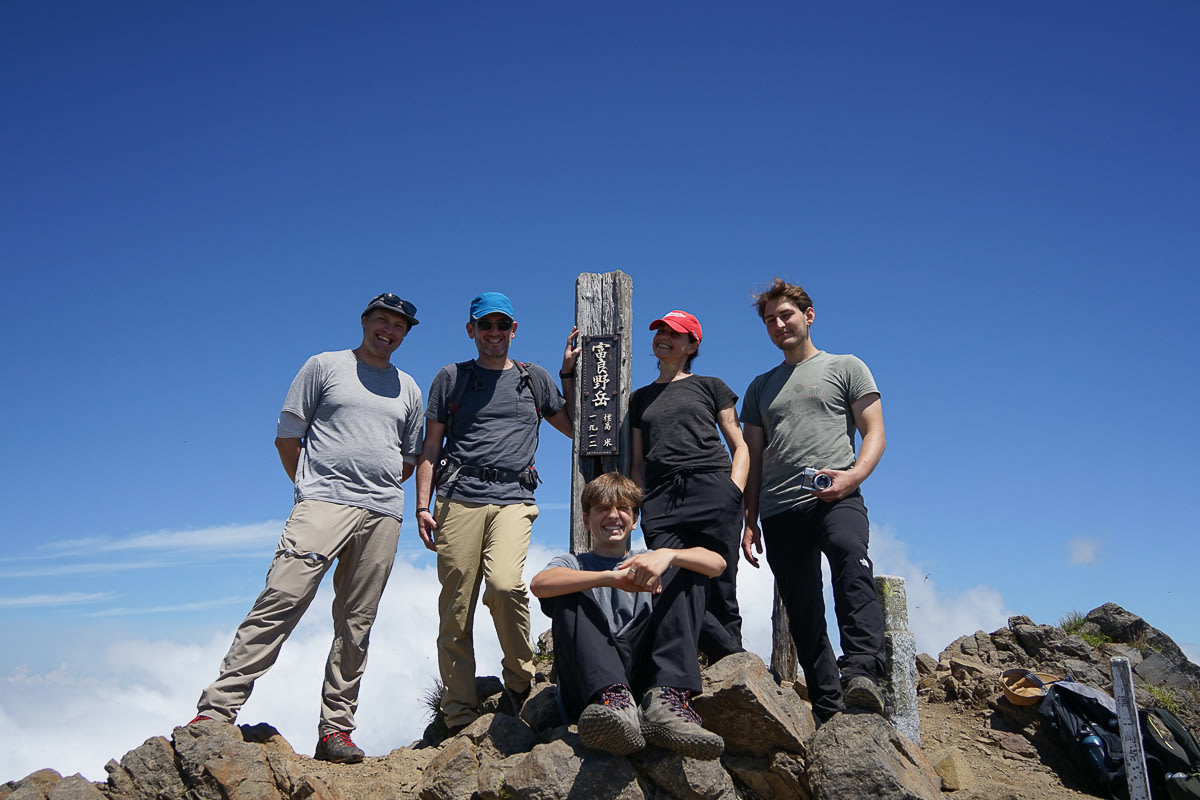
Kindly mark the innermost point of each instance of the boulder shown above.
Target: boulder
(861, 755)
(755, 716)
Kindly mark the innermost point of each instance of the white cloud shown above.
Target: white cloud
(44, 600)
(201, 605)
(1083, 551)
(98, 706)
(220, 537)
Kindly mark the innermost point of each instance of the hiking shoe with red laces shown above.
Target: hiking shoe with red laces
(338, 748)
(670, 722)
(613, 724)
(198, 718)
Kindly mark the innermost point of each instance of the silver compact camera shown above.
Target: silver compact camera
(813, 481)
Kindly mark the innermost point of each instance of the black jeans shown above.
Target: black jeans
(795, 541)
(658, 649)
(703, 509)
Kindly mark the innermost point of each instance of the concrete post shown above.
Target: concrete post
(900, 684)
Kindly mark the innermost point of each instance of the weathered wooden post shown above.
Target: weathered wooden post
(604, 316)
(783, 647)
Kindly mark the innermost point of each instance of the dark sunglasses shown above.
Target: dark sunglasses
(501, 324)
(403, 306)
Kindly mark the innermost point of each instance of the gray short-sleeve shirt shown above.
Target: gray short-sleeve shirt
(620, 608)
(363, 423)
(805, 411)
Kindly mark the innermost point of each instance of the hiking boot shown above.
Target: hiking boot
(514, 701)
(670, 722)
(861, 694)
(338, 748)
(612, 725)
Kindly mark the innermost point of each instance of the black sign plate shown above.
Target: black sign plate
(600, 414)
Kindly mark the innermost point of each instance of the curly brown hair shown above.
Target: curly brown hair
(782, 290)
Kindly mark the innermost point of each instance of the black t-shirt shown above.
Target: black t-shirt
(678, 421)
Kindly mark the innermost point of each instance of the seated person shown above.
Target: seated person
(626, 625)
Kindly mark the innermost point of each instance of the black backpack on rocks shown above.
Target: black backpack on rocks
(1172, 756)
(1084, 722)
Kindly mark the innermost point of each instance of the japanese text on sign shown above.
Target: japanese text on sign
(600, 414)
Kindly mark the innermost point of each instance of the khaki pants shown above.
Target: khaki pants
(478, 542)
(316, 533)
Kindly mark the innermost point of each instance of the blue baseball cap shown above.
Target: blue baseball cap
(491, 303)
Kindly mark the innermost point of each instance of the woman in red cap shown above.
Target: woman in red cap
(693, 489)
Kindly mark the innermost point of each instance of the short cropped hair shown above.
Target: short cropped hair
(782, 290)
(610, 490)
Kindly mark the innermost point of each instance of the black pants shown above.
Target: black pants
(703, 509)
(659, 649)
(795, 541)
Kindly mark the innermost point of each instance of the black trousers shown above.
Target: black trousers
(703, 509)
(659, 649)
(795, 541)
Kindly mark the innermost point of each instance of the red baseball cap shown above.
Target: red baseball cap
(681, 322)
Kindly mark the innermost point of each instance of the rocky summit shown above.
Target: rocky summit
(977, 745)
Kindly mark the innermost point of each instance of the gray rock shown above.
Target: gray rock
(862, 756)
(453, 773)
(953, 769)
(755, 716)
(501, 734)
(780, 777)
(685, 778)
(217, 764)
(1158, 669)
(564, 769)
(34, 786)
(147, 772)
(926, 664)
(75, 787)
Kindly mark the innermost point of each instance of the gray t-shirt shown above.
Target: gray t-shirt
(805, 413)
(361, 424)
(621, 609)
(496, 425)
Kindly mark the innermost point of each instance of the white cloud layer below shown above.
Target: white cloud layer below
(74, 718)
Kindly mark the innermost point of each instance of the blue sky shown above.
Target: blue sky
(994, 205)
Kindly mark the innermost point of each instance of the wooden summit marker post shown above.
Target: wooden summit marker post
(604, 316)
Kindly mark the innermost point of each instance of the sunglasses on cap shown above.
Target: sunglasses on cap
(500, 324)
(392, 301)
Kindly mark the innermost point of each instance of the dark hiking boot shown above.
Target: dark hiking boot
(861, 694)
(338, 748)
(613, 724)
(514, 701)
(670, 722)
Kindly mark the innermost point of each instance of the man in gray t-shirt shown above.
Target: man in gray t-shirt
(348, 435)
(481, 435)
(803, 415)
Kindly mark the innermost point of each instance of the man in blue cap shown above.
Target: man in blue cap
(481, 435)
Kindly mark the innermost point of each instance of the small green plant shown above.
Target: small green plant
(541, 655)
(1164, 696)
(1072, 621)
(1076, 623)
(1094, 639)
(432, 700)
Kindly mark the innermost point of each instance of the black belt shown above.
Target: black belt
(490, 473)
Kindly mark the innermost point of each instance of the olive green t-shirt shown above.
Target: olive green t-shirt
(805, 413)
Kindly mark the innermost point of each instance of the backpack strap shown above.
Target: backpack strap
(527, 380)
(465, 374)
(464, 370)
